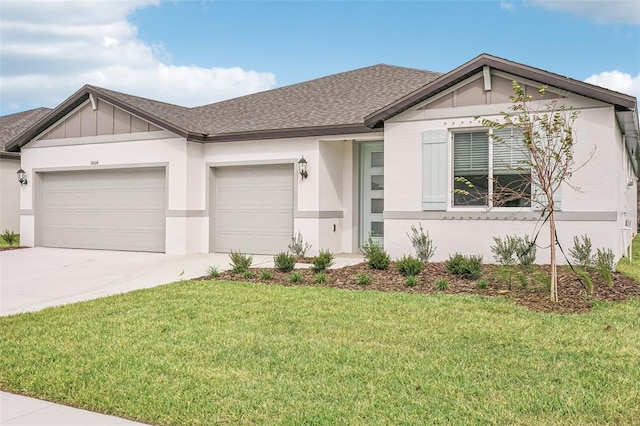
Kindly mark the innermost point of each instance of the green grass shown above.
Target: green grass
(631, 270)
(213, 352)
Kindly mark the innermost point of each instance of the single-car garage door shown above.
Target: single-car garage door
(253, 209)
(122, 209)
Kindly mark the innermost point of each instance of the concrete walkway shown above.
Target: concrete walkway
(37, 278)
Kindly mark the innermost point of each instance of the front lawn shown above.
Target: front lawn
(215, 352)
(629, 269)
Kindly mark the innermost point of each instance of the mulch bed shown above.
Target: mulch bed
(527, 291)
(12, 248)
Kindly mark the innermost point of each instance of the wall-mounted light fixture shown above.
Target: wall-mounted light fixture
(22, 177)
(302, 168)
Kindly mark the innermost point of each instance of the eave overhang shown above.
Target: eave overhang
(343, 129)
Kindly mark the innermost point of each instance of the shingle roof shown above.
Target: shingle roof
(338, 99)
(13, 124)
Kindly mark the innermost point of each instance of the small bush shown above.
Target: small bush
(10, 237)
(240, 262)
(482, 284)
(284, 262)
(411, 281)
(422, 244)
(468, 267)
(297, 246)
(603, 261)
(581, 251)
(247, 275)
(374, 255)
(322, 277)
(441, 284)
(295, 277)
(409, 266)
(266, 275)
(213, 272)
(363, 279)
(504, 250)
(525, 251)
(322, 261)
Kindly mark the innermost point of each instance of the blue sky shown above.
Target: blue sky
(197, 52)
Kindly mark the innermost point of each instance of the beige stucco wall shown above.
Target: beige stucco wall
(9, 195)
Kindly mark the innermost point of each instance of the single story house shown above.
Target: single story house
(10, 127)
(108, 170)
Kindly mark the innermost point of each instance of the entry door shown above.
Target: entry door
(372, 192)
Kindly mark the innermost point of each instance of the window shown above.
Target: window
(491, 166)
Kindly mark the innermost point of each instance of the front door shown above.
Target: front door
(372, 192)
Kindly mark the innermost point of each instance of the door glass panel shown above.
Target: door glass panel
(377, 182)
(377, 229)
(377, 159)
(377, 205)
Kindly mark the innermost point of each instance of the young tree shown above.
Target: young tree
(545, 135)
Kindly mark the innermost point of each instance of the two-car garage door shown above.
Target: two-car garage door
(122, 209)
(252, 208)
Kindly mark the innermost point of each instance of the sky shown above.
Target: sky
(196, 52)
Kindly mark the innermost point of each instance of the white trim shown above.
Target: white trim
(101, 139)
(486, 73)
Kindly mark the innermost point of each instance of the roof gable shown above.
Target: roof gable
(477, 64)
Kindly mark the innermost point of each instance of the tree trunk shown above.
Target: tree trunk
(552, 262)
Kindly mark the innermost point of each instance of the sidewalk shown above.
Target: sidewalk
(17, 410)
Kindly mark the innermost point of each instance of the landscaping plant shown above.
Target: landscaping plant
(363, 279)
(284, 262)
(469, 267)
(411, 281)
(581, 251)
(266, 275)
(603, 261)
(374, 255)
(322, 261)
(322, 277)
(422, 244)
(240, 262)
(297, 246)
(213, 272)
(409, 266)
(295, 277)
(10, 237)
(441, 284)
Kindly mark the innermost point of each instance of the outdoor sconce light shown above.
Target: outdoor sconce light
(302, 168)
(22, 177)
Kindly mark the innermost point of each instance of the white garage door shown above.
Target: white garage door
(253, 209)
(120, 209)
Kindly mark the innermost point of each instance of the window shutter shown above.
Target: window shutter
(434, 169)
(509, 152)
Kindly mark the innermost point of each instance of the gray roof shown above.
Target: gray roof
(13, 125)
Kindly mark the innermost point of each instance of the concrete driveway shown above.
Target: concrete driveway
(36, 278)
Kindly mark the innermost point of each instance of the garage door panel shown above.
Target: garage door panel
(109, 209)
(253, 209)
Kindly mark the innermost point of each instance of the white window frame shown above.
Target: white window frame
(450, 196)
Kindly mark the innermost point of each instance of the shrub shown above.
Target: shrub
(409, 266)
(585, 278)
(422, 244)
(468, 267)
(504, 250)
(441, 284)
(603, 261)
(295, 277)
(297, 246)
(525, 251)
(213, 272)
(581, 251)
(284, 262)
(10, 237)
(247, 275)
(374, 255)
(266, 275)
(411, 281)
(322, 277)
(363, 279)
(482, 284)
(240, 262)
(322, 261)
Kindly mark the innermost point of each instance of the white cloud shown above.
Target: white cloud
(50, 49)
(618, 81)
(505, 5)
(600, 11)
